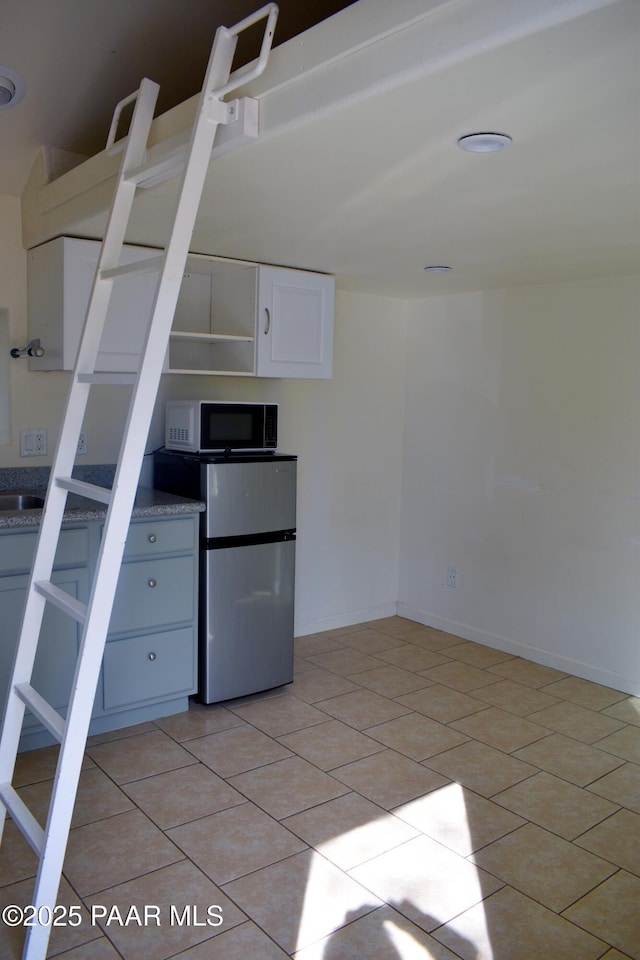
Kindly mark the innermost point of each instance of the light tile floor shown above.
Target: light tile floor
(411, 796)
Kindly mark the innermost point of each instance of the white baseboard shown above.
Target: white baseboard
(305, 627)
(545, 657)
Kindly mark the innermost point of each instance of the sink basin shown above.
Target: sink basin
(20, 501)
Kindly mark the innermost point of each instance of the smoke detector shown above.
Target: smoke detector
(12, 88)
(484, 142)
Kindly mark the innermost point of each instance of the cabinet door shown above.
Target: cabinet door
(295, 324)
(56, 658)
(129, 309)
(60, 279)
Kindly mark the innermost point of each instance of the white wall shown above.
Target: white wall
(522, 468)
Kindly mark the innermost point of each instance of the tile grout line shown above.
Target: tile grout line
(385, 748)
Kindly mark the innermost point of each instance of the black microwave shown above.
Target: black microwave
(213, 426)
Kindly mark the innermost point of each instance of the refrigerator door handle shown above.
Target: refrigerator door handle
(247, 540)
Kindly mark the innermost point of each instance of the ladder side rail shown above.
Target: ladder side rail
(100, 605)
(124, 489)
(101, 289)
(174, 261)
(143, 400)
(55, 501)
(42, 566)
(50, 867)
(67, 775)
(82, 696)
(157, 335)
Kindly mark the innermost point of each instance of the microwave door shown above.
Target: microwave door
(233, 426)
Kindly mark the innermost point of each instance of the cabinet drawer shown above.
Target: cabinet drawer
(147, 668)
(17, 549)
(149, 538)
(154, 593)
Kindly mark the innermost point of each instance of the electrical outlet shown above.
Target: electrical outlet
(81, 449)
(452, 576)
(33, 442)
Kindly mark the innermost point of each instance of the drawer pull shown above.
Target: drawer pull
(153, 656)
(153, 583)
(152, 538)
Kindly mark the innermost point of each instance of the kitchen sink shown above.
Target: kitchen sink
(20, 501)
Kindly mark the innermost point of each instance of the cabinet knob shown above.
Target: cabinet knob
(152, 538)
(153, 583)
(153, 656)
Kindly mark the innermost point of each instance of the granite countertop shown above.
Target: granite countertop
(34, 480)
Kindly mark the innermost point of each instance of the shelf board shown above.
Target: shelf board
(210, 373)
(210, 337)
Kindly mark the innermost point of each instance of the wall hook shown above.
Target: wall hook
(32, 349)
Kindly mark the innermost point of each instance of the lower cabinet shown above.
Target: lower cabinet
(150, 660)
(151, 653)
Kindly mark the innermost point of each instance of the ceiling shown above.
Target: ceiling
(78, 58)
(368, 183)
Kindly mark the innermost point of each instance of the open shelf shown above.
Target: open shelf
(211, 353)
(214, 324)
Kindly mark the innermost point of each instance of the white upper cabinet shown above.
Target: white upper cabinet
(60, 277)
(239, 318)
(233, 318)
(295, 323)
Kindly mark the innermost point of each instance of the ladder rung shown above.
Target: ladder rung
(110, 379)
(23, 817)
(161, 164)
(148, 265)
(41, 709)
(84, 489)
(62, 600)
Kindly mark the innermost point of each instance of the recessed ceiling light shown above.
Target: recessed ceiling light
(484, 142)
(12, 88)
(438, 268)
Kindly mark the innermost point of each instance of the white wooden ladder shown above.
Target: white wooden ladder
(139, 168)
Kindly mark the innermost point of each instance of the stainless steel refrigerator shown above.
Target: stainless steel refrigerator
(247, 566)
